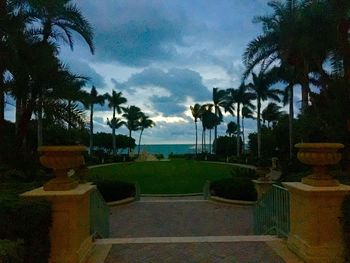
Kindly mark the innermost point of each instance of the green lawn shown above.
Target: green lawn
(173, 177)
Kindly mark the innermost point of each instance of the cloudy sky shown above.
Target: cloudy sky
(165, 55)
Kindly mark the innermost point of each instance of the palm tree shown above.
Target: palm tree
(114, 124)
(287, 39)
(241, 96)
(247, 112)
(261, 86)
(59, 20)
(196, 114)
(271, 113)
(114, 102)
(220, 100)
(132, 114)
(145, 122)
(209, 121)
(94, 98)
(232, 128)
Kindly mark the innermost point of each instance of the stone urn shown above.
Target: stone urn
(61, 159)
(319, 156)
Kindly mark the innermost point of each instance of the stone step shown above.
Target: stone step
(189, 239)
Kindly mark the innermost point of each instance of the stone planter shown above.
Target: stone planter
(319, 156)
(61, 159)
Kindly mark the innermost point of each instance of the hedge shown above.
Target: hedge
(115, 190)
(238, 187)
(24, 224)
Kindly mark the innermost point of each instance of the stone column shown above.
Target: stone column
(71, 241)
(315, 230)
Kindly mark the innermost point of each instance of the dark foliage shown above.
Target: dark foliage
(238, 187)
(226, 146)
(28, 221)
(115, 190)
(345, 220)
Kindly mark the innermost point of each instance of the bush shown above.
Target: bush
(115, 190)
(235, 188)
(28, 221)
(159, 156)
(11, 251)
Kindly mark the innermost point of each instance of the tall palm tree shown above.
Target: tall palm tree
(209, 121)
(241, 96)
(94, 98)
(196, 111)
(286, 39)
(247, 112)
(271, 113)
(133, 115)
(145, 123)
(261, 86)
(114, 124)
(114, 102)
(220, 100)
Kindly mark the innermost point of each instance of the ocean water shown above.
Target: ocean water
(166, 149)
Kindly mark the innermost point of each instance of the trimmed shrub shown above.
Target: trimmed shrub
(115, 190)
(239, 187)
(235, 188)
(28, 221)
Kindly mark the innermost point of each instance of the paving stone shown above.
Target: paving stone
(242, 252)
(154, 219)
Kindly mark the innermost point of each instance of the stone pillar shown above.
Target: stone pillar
(315, 230)
(71, 241)
(262, 186)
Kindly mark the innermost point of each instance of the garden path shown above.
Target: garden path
(185, 230)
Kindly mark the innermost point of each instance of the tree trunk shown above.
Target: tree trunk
(23, 125)
(210, 141)
(40, 121)
(113, 133)
(91, 128)
(305, 91)
(205, 145)
(202, 141)
(238, 130)
(243, 146)
(259, 128)
(2, 107)
(138, 152)
(69, 115)
(291, 117)
(195, 124)
(129, 149)
(216, 128)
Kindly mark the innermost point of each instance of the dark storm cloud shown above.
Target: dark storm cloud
(167, 106)
(179, 83)
(83, 69)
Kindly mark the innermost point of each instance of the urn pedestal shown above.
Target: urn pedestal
(319, 156)
(316, 233)
(61, 159)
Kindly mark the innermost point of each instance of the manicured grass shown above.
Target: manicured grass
(173, 177)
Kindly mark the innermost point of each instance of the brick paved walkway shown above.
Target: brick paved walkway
(169, 230)
(242, 252)
(180, 218)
